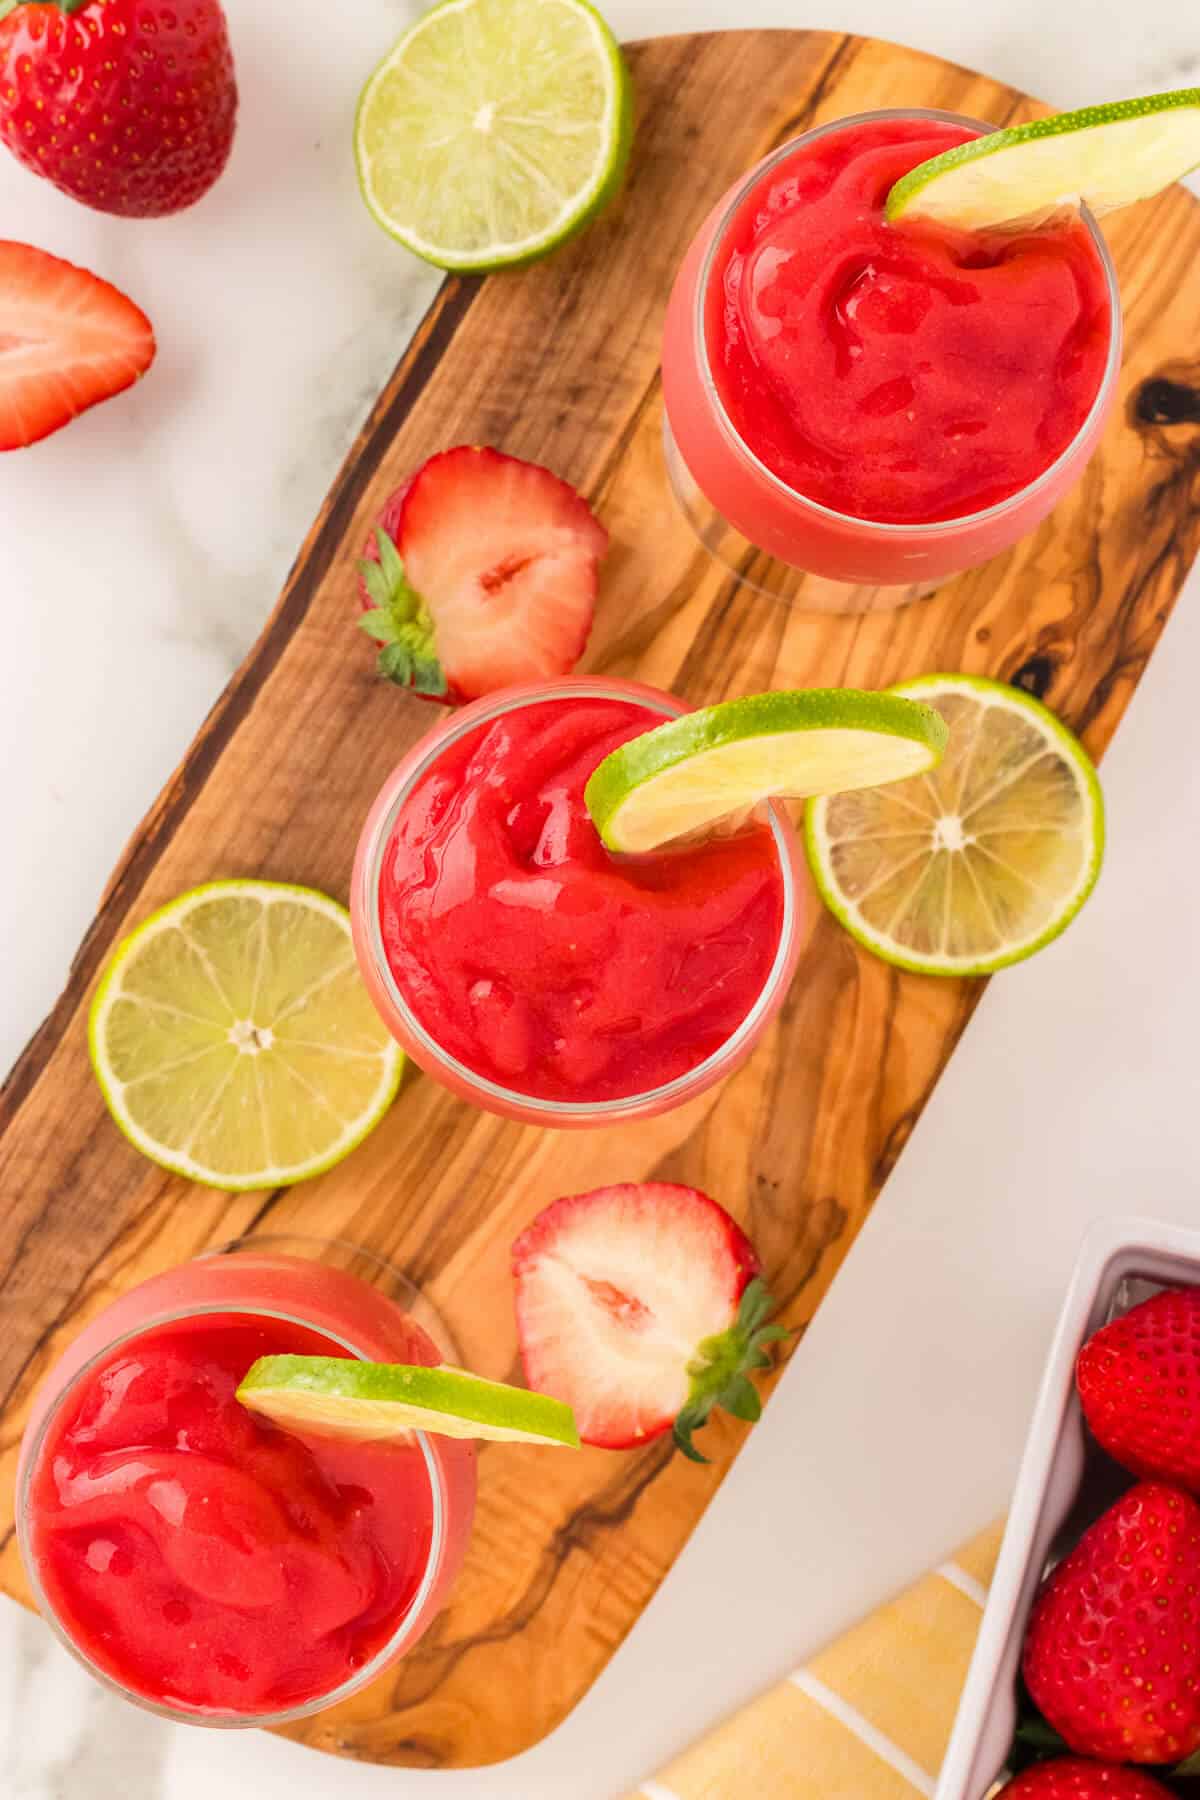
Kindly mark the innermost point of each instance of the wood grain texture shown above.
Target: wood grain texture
(560, 364)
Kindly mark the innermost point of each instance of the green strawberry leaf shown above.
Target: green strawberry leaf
(375, 584)
(390, 564)
(741, 1399)
(687, 1422)
(379, 624)
(756, 1305)
(404, 663)
(428, 677)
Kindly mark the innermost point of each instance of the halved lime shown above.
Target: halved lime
(720, 762)
(1105, 156)
(234, 1040)
(376, 1401)
(494, 129)
(983, 860)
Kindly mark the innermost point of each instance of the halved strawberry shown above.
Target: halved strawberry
(641, 1306)
(67, 341)
(480, 573)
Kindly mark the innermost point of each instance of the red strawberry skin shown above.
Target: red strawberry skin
(500, 564)
(126, 105)
(1139, 1385)
(1073, 1778)
(616, 1290)
(67, 341)
(1112, 1654)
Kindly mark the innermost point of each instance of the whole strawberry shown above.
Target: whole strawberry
(127, 105)
(1139, 1384)
(1112, 1655)
(1072, 1778)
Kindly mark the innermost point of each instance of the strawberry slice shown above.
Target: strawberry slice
(67, 341)
(641, 1306)
(480, 573)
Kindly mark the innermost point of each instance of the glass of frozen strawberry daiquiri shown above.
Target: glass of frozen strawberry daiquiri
(525, 966)
(199, 1559)
(879, 405)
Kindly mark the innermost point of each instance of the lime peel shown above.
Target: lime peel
(234, 1041)
(1104, 156)
(721, 761)
(1037, 762)
(375, 1402)
(486, 145)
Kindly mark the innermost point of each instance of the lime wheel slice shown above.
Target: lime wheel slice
(494, 130)
(721, 762)
(976, 864)
(1104, 156)
(234, 1040)
(337, 1397)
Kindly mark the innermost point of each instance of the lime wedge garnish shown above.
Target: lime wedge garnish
(234, 1040)
(337, 1397)
(978, 863)
(720, 762)
(1105, 156)
(494, 129)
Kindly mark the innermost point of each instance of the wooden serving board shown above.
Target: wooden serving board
(560, 363)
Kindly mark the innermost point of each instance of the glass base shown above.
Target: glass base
(376, 1271)
(765, 574)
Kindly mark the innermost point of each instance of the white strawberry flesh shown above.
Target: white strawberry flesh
(616, 1293)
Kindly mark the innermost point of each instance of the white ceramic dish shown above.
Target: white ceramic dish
(1065, 1482)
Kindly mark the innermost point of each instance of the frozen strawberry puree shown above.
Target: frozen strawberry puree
(540, 961)
(202, 1557)
(899, 373)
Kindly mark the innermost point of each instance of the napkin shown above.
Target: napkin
(867, 1719)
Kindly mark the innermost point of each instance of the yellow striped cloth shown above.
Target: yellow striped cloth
(867, 1719)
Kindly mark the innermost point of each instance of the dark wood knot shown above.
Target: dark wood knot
(1035, 675)
(1162, 401)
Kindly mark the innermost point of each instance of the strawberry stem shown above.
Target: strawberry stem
(400, 621)
(720, 1370)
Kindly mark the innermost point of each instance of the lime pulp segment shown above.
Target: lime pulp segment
(377, 1401)
(494, 129)
(234, 1040)
(722, 761)
(1104, 156)
(978, 863)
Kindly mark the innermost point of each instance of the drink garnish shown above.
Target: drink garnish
(724, 760)
(339, 1397)
(1103, 157)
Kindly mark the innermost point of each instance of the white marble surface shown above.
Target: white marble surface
(140, 551)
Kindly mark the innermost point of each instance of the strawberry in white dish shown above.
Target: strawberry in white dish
(480, 574)
(641, 1306)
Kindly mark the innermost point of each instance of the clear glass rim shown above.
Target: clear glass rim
(584, 688)
(187, 1716)
(887, 528)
